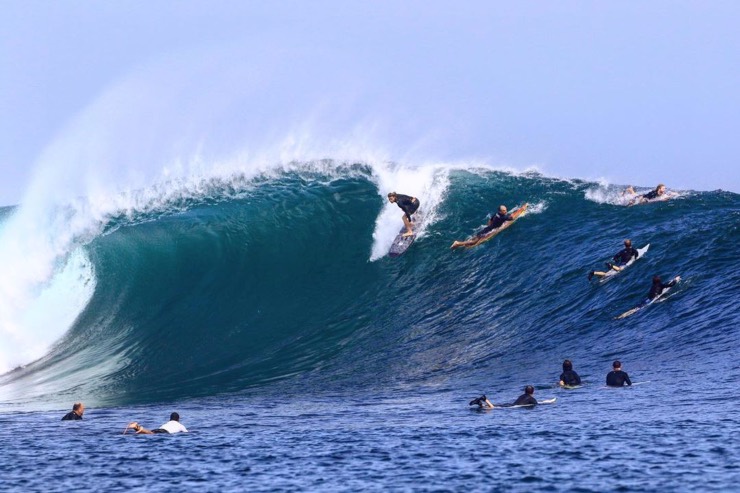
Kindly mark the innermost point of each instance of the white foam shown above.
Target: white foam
(427, 183)
(537, 207)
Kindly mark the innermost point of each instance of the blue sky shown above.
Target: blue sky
(634, 92)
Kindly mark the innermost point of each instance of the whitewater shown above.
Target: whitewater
(260, 303)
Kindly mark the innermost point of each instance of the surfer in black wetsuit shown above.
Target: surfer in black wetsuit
(652, 195)
(657, 288)
(408, 205)
(569, 377)
(616, 377)
(78, 409)
(620, 259)
(496, 221)
(527, 398)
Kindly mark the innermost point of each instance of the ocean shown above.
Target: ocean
(264, 310)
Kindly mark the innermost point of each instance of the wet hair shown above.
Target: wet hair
(391, 194)
(659, 185)
(617, 364)
(502, 207)
(174, 417)
(529, 389)
(628, 243)
(567, 365)
(77, 406)
(656, 279)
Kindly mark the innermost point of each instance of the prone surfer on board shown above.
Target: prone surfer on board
(497, 220)
(620, 259)
(171, 426)
(655, 194)
(658, 286)
(408, 205)
(526, 399)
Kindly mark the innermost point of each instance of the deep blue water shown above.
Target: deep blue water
(299, 359)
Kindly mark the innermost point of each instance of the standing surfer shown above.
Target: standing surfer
(408, 205)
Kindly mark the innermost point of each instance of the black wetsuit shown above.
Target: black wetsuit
(71, 416)
(625, 255)
(525, 400)
(570, 378)
(617, 378)
(651, 195)
(407, 204)
(496, 221)
(657, 288)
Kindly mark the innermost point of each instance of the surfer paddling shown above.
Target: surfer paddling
(658, 193)
(171, 426)
(620, 260)
(526, 399)
(658, 286)
(497, 221)
(408, 205)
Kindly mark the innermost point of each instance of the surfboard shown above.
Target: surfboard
(571, 387)
(516, 215)
(647, 302)
(401, 243)
(611, 272)
(543, 401)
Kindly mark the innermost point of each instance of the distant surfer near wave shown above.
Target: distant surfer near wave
(408, 205)
(497, 220)
(171, 426)
(617, 377)
(620, 259)
(569, 378)
(78, 409)
(659, 192)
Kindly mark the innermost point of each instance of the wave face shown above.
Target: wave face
(283, 282)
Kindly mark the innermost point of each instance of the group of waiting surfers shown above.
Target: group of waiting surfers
(569, 378)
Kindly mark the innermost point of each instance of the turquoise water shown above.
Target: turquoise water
(302, 359)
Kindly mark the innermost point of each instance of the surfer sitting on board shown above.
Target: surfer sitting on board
(497, 220)
(408, 205)
(569, 378)
(620, 259)
(616, 377)
(171, 426)
(655, 194)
